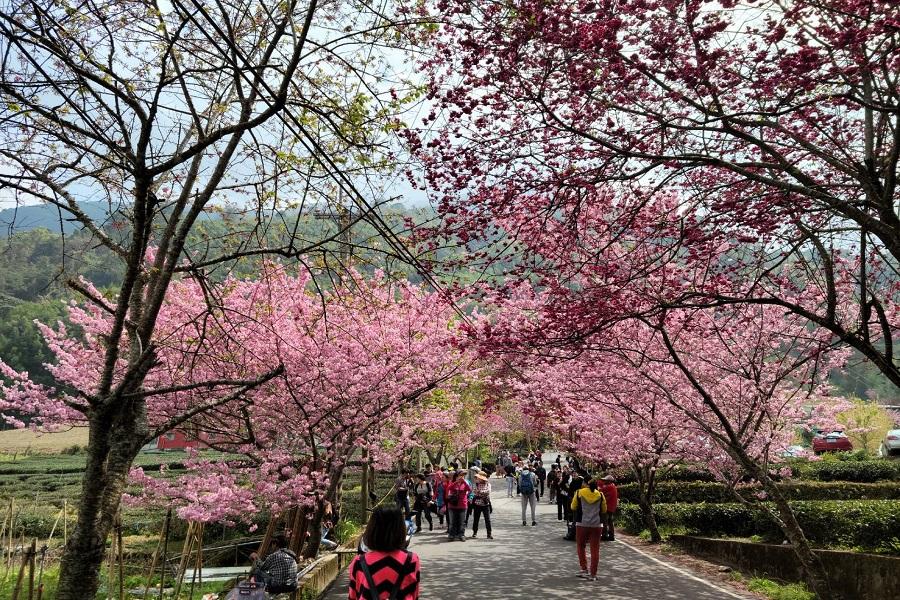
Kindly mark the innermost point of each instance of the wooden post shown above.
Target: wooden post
(31, 552)
(165, 554)
(270, 533)
(121, 556)
(198, 560)
(40, 589)
(65, 522)
(12, 528)
(298, 529)
(185, 552)
(6, 518)
(155, 559)
(21, 576)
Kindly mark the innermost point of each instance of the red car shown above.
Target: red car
(835, 441)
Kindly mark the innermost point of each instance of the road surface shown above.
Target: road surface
(535, 563)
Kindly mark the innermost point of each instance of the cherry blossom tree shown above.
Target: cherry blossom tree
(771, 128)
(604, 410)
(167, 113)
(736, 381)
(354, 358)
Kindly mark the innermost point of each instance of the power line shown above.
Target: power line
(317, 152)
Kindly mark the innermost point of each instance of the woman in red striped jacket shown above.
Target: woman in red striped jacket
(387, 571)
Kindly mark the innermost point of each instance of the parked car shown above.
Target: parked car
(835, 441)
(891, 443)
(793, 451)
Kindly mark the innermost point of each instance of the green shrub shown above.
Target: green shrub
(702, 491)
(870, 525)
(861, 471)
(780, 591)
(680, 473)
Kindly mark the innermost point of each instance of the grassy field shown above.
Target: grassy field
(23, 441)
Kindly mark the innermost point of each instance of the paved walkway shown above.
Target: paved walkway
(535, 562)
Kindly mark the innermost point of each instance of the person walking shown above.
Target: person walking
(562, 494)
(481, 502)
(611, 493)
(422, 503)
(588, 507)
(528, 487)
(510, 479)
(553, 482)
(541, 473)
(401, 492)
(457, 504)
(440, 493)
(387, 569)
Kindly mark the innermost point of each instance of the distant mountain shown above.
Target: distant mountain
(47, 216)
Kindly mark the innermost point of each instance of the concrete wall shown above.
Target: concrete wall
(854, 575)
(323, 575)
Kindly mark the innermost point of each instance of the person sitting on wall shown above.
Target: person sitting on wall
(279, 570)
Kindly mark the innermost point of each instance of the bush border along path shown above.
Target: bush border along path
(869, 525)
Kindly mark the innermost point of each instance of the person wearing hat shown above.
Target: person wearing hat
(481, 502)
(608, 487)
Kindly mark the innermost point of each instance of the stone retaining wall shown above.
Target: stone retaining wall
(319, 579)
(854, 575)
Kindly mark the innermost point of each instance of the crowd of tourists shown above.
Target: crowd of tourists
(457, 498)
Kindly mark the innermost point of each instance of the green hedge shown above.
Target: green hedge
(861, 471)
(683, 473)
(836, 468)
(701, 491)
(870, 525)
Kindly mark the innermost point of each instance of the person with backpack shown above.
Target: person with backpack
(457, 505)
(386, 562)
(422, 502)
(481, 503)
(528, 488)
(588, 507)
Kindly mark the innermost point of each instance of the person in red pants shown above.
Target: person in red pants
(589, 506)
(611, 493)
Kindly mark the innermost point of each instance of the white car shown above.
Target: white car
(891, 443)
(794, 451)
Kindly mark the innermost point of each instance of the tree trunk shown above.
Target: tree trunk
(814, 571)
(113, 444)
(314, 529)
(646, 486)
(314, 539)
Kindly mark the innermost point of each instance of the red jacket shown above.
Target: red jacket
(462, 492)
(612, 495)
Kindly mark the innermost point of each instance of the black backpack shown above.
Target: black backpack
(373, 589)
